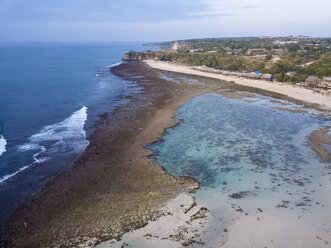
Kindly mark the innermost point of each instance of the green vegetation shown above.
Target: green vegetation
(287, 59)
(268, 57)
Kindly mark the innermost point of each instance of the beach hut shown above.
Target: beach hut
(253, 75)
(267, 76)
(313, 81)
(291, 74)
(327, 82)
(257, 74)
(327, 79)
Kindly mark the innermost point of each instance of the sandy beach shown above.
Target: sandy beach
(295, 92)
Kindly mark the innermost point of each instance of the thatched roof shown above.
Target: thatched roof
(313, 79)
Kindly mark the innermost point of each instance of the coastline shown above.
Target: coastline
(294, 92)
(115, 171)
(267, 226)
(164, 231)
(114, 186)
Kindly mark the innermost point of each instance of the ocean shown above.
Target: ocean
(51, 95)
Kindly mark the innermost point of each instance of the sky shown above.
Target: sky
(160, 20)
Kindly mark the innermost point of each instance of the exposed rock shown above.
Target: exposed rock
(239, 195)
(183, 227)
(318, 138)
(137, 56)
(293, 110)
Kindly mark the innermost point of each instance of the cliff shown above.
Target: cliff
(138, 56)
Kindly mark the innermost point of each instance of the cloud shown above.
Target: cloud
(223, 8)
(222, 12)
(209, 13)
(88, 20)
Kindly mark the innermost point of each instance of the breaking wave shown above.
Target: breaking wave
(65, 138)
(4, 178)
(113, 65)
(3, 144)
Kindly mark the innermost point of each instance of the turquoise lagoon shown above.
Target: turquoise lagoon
(259, 178)
(248, 159)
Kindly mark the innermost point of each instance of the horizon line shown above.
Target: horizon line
(220, 37)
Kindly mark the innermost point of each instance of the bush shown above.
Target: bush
(268, 57)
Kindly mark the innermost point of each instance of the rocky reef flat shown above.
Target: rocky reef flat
(114, 186)
(116, 190)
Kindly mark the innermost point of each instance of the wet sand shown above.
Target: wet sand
(114, 187)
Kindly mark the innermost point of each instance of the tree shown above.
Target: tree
(268, 57)
(279, 77)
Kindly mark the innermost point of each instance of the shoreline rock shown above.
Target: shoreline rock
(318, 138)
(113, 187)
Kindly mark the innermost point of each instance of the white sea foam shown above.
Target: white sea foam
(67, 136)
(64, 138)
(28, 147)
(3, 144)
(113, 65)
(35, 156)
(4, 178)
(36, 160)
(71, 128)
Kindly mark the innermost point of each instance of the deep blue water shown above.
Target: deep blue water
(50, 96)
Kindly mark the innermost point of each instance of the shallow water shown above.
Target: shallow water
(248, 157)
(169, 76)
